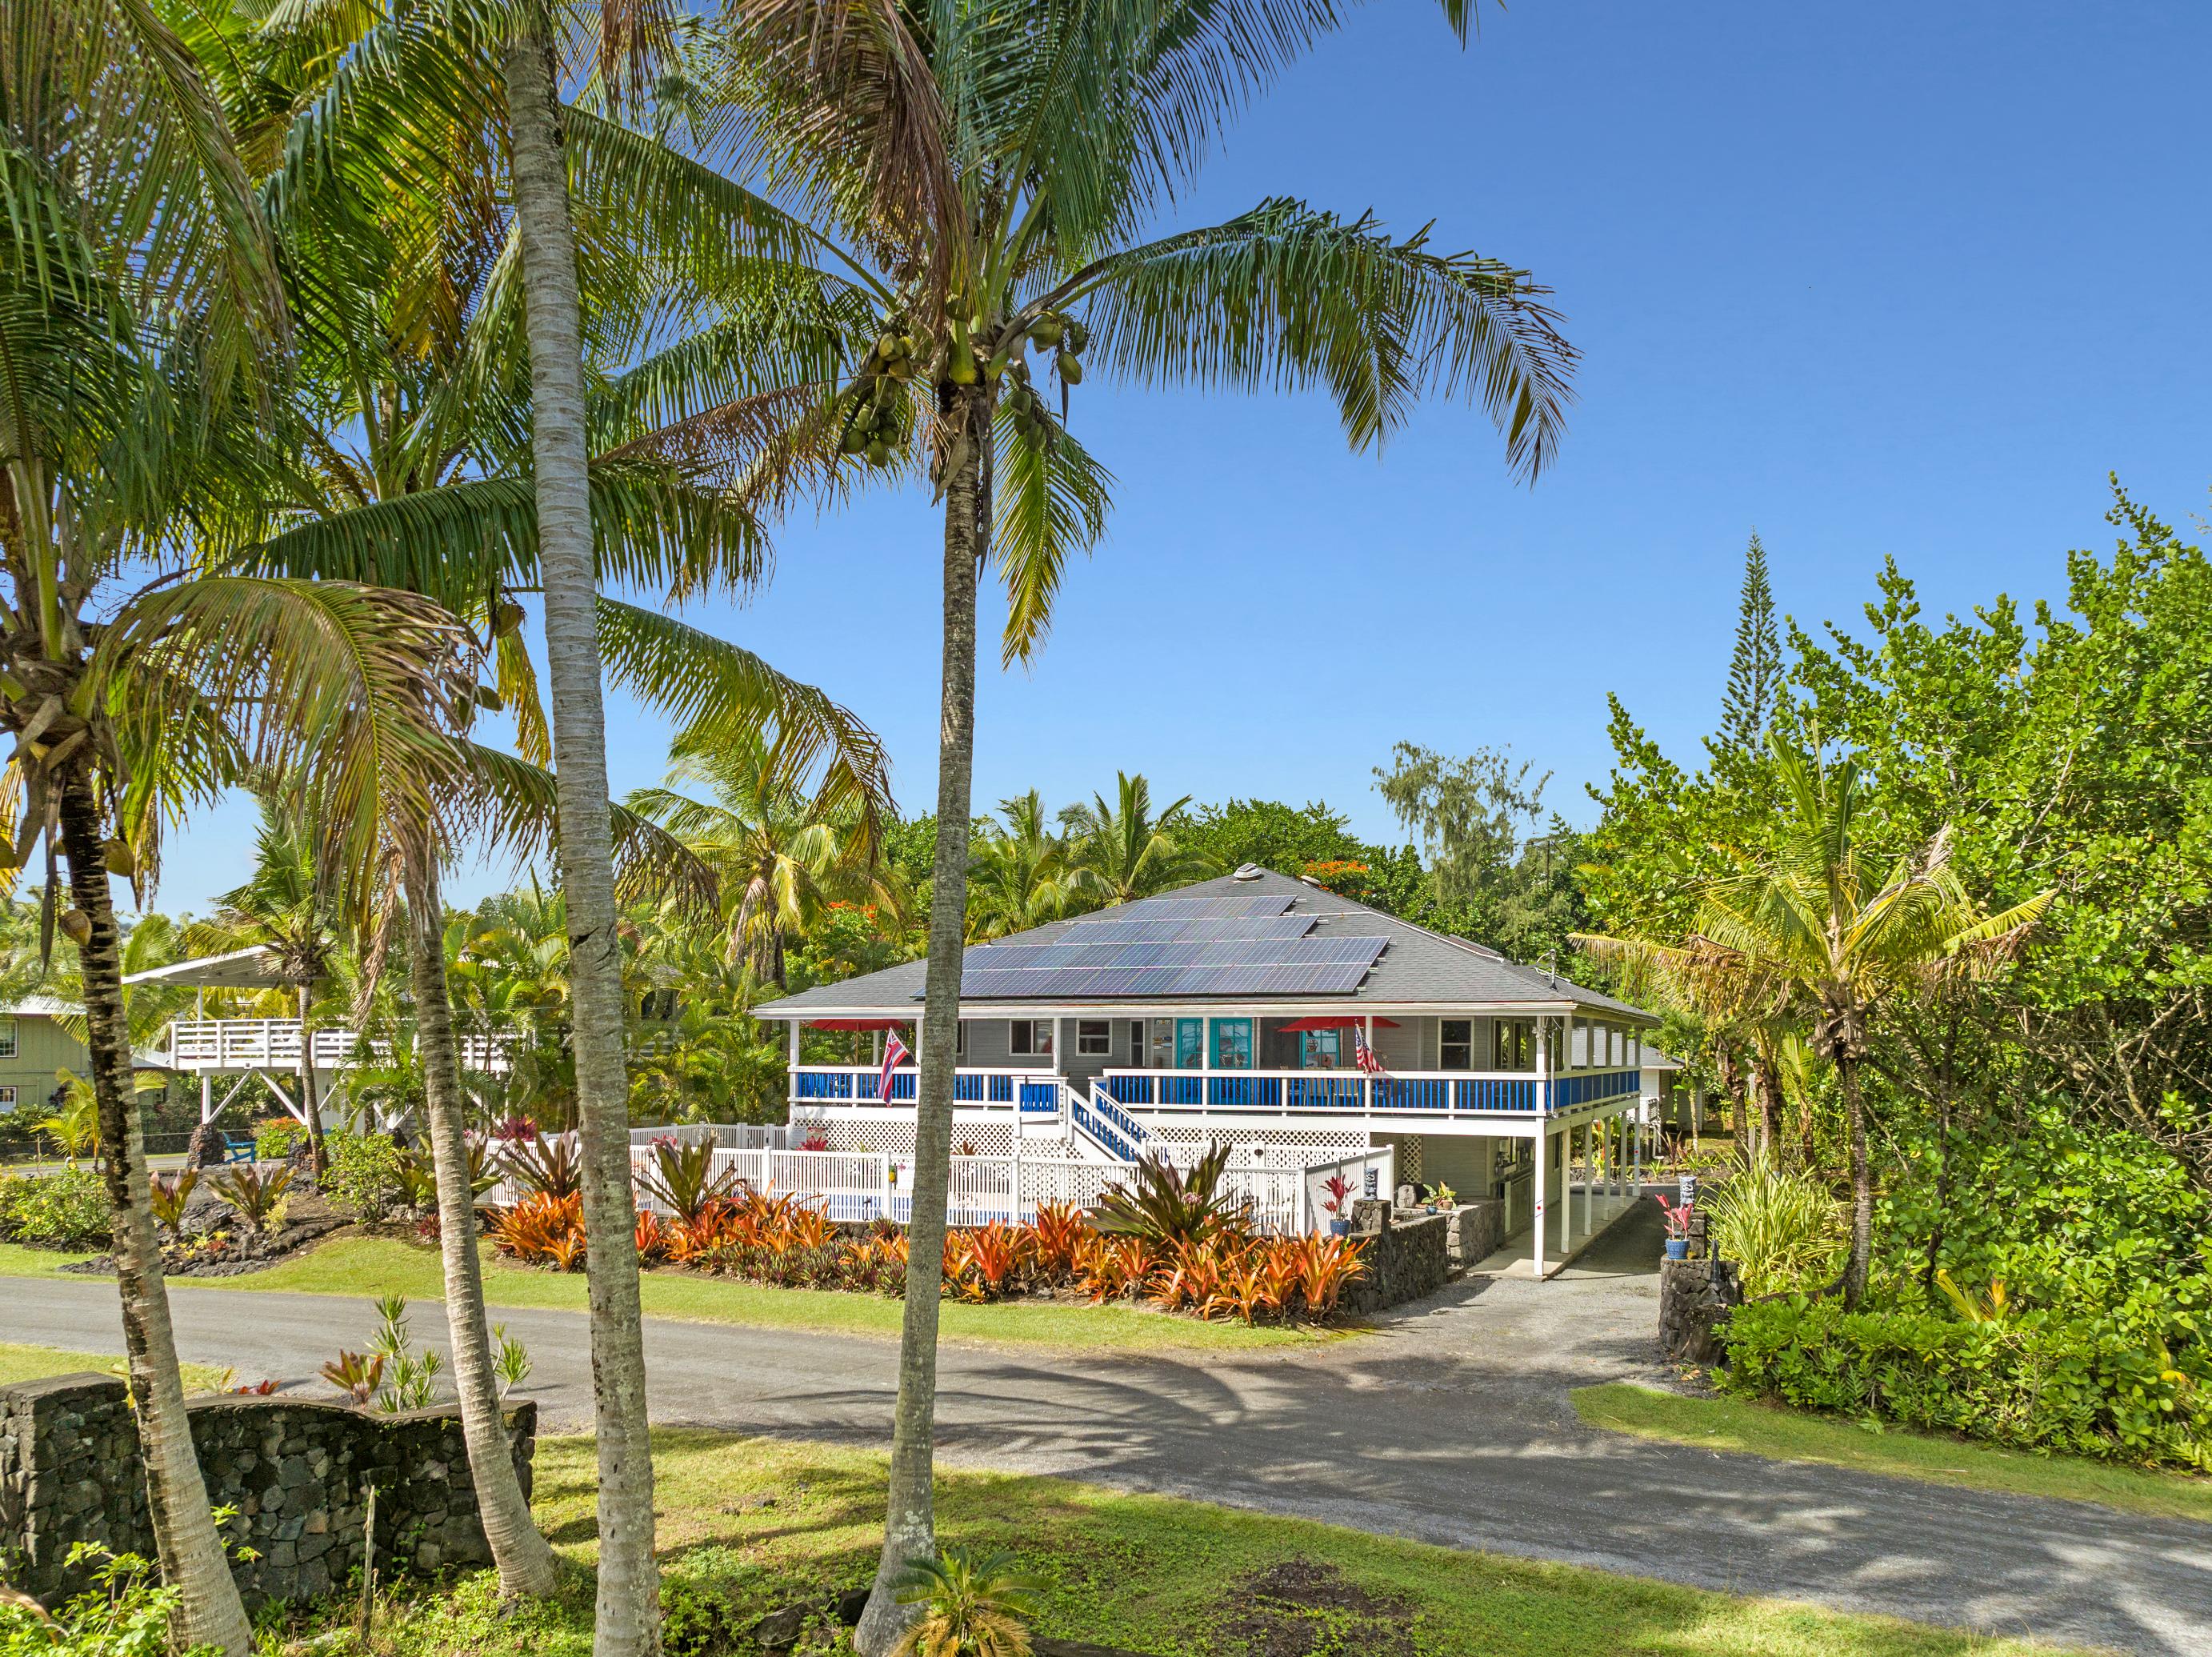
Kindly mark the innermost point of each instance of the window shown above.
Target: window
(1094, 1038)
(960, 1040)
(7, 1100)
(1136, 1041)
(1516, 1044)
(6, 1037)
(1456, 1049)
(1030, 1039)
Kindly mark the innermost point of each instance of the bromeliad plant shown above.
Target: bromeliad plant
(258, 1199)
(171, 1194)
(1166, 1207)
(682, 1177)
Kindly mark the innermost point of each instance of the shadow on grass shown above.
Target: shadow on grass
(761, 1523)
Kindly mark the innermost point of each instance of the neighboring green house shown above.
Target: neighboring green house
(33, 1047)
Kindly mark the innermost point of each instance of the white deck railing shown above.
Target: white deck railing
(274, 1045)
(855, 1187)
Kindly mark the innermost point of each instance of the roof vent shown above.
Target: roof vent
(1247, 872)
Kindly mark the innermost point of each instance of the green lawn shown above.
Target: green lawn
(22, 1363)
(1794, 1435)
(379, 1265)
(753, 1525)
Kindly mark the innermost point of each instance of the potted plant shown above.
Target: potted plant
(1678, 1226)
(1443, 1199)
(1339, 1205)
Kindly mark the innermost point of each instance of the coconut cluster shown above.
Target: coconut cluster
(876, 411)
(875, 423)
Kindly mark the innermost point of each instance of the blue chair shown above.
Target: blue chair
(237, 1148)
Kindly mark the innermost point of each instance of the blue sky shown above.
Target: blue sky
(1875, 279)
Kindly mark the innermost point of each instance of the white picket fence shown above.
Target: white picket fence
(854, 1186)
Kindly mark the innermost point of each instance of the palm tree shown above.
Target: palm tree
(784, 851)
(1123, 852)
(413, 467)
(986, 180)
(143, 305)
(1811, 913)
(1020, 876)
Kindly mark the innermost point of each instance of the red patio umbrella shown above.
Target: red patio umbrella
(1337, 1021)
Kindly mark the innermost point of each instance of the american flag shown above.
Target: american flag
(1366, 1057)
(895, 1054)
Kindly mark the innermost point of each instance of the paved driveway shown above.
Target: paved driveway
(1452, 1425)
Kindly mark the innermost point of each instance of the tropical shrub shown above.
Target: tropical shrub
(171, 1193)
(2035, 1380)
(1782, 1226)
(1167, 1207)
(682, 1176)
(546, 1167)
(543, 1229)
(364, 1177)
(66, 1210)
(123, 1614)
(784, 1243)
(277, 1138)
(971, 1606)
(257, 1197)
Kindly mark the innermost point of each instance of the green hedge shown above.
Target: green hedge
(55, 1211)
(2035, 1381)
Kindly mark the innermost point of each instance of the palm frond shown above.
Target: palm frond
(1051, 497)
(1286, 297)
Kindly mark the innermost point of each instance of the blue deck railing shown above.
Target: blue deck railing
(1349, 1091)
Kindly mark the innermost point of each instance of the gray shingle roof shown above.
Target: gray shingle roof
(1417, 968)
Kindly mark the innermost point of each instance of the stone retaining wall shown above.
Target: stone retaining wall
(1406, 1258)
(296, 1471)
(1476, 1232)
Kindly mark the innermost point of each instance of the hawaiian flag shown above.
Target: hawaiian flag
(895, 1054)
(1366, 1057)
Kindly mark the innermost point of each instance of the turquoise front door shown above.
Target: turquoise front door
(1190, 1043)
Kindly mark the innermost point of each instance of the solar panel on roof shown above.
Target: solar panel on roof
(1174, 929)
(1244, 966)
(1183, 908)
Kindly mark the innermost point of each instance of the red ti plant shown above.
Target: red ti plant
(1340, 1195)
(1677, 1216)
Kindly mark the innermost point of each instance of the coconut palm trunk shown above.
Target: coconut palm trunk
(311, 1101)
(910, 1526)
(1860, 1264)
(524, 1559)
(190, 1550)
(628, 1608)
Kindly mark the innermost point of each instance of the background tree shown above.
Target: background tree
(1122, 851)
(1021, 874)
(996, 182)
(1755, 668)
(784, 849)
(1811, 912)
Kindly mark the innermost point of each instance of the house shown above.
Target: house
(33, 1046)
(1237, 1009)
